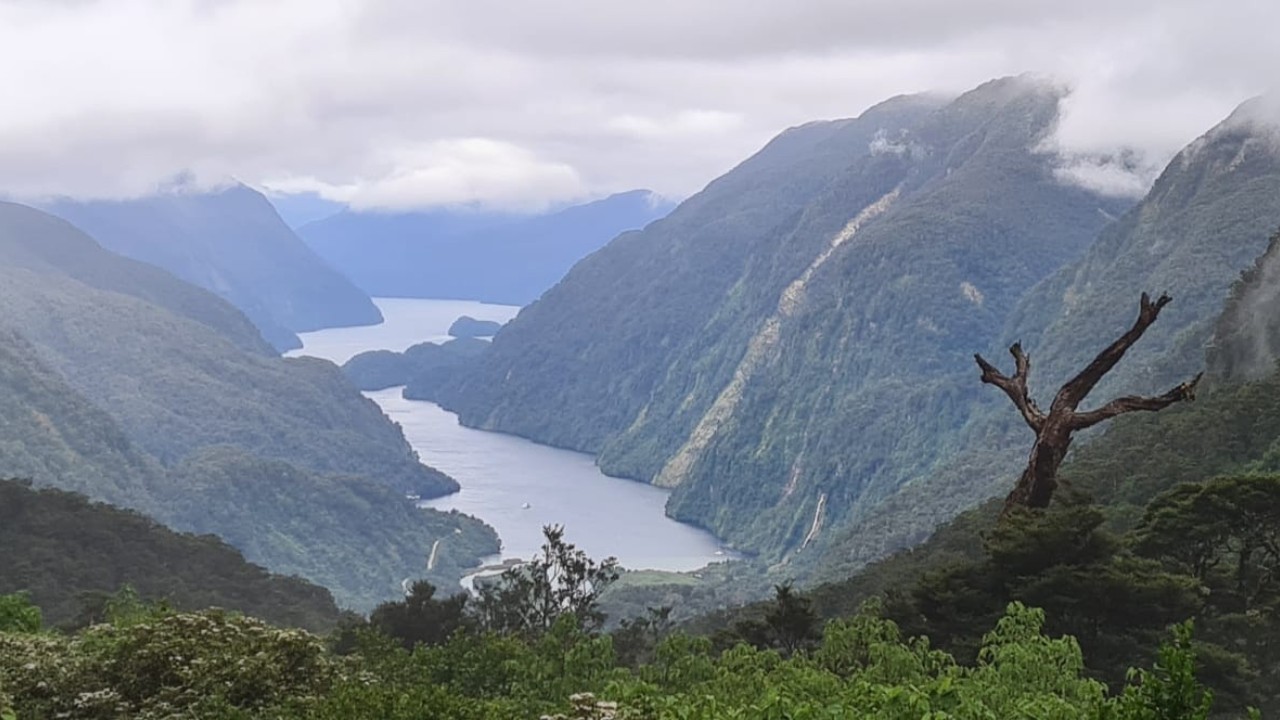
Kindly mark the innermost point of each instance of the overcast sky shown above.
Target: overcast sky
(518, 103)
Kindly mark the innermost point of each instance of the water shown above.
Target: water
(500, 474)
(406, 322)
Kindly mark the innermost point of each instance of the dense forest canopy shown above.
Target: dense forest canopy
(425, 657)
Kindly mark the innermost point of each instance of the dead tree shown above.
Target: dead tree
(1055, 428)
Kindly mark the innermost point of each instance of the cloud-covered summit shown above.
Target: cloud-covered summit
(410, 103)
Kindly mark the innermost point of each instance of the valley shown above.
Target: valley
(500, 474)
(589, 361)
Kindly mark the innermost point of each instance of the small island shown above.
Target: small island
(423, 368)
(469, 327)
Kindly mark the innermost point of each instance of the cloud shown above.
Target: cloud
(466, 171)
(398, 103)
(687, 123)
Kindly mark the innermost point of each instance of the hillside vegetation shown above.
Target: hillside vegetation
(121, 382)
(427, 657)
(792, 345)
(69, 555)
(1165, 516)
(1205, 222)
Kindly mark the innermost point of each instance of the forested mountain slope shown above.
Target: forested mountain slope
(576, 367)
(46, 246)
(174, 386)
(1204, 222)
(1246, 339)
(1164, 516)
(469, 255)
(124, 400)
(787, 358)
(50, 432)
(233, 243)
(1115, 559)
(66, 551)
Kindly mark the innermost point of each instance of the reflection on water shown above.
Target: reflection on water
(515, 485)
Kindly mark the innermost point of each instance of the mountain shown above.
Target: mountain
(233, 243)
(472, 255)
(37, 244)
(1204, 222)
(113, 386)
(50, 432)
(173, 385)
(298, 209)
(65, 551)
(1246, 338)
(794, 344)
(1206, 219)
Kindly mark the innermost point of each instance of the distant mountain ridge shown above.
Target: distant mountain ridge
(233, 243)
(472, 255)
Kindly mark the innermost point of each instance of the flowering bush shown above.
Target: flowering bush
(168, 664)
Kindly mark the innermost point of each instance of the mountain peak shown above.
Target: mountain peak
(1260, 115)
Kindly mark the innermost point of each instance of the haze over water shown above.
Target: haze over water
(499, 474)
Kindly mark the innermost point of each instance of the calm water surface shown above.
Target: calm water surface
(500, 474)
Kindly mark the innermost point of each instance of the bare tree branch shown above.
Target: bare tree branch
(1133, 403)
(1078, 388)
(1015, 387)
(1055, 428)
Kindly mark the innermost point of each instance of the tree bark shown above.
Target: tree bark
(1054, 429)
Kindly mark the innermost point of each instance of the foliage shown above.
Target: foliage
(214, 665)
(636, 640)
(561, 582)
(1183, 525)
(70, 555)
(18, 614)
(164, 665)
(421, 619)
(347, 533)
(1170, 690)
(789, 624)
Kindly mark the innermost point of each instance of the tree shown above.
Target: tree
(1225, 533)
(636, 639)
(18, 614)
(1169, 691)
(1054, 429)
(421, 619)
(529, 599)
(789, 624)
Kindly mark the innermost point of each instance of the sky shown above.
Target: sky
(515, 104)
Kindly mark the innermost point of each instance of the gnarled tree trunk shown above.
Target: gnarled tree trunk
(1055, 428)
